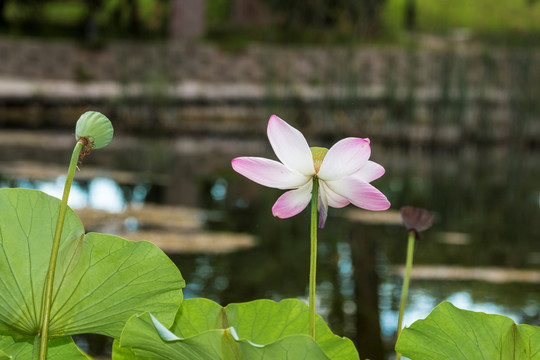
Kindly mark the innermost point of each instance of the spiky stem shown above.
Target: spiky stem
(47, 302)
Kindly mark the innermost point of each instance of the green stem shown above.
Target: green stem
(313, 259)
(405, 289)
(35, 351)
(46, 311)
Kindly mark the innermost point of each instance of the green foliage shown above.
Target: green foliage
(316, 13)
(100, 280)
(507, 19)
(218, 11)
(260, 329)
(22, 348)
(454, 334)
(57, 18)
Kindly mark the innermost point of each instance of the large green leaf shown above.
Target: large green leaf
(5, 356)
(125, 353)
(452, 333)
(58, 349)
(261, 329)
(100, 280)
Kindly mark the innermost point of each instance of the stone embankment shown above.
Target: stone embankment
(438, 94)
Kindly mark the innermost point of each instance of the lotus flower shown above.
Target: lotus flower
(344, 172)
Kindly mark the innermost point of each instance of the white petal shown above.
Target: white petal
(369, 172)
(293, 201)
(360, 193)
(334, 200)
(268, 172)
(344, 158)
(290, 146)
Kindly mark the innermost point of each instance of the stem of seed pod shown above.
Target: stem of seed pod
(47, 298)
(405, 289)
(313, 258)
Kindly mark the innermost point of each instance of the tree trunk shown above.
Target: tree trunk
(134, 20)
(410, 15)
(187, 20)
(2, 16)
(91, 28)
(371, 18)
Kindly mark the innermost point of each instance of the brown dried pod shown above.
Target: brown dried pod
(416, 219)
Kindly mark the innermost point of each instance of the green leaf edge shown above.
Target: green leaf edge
(161, 329)
(512, 329)
(229, 333)
(24, 348)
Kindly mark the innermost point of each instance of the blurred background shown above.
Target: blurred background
(447, 91)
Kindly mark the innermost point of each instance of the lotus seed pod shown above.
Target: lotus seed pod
(318, 154)
(417, 219)
(96, 128)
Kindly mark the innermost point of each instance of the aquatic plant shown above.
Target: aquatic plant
(449, 333)
(332, 177)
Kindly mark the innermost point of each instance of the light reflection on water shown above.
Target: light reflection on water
(474, 296)
(100, 193)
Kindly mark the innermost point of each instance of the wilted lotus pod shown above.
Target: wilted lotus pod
(416, 219)
(95, 128)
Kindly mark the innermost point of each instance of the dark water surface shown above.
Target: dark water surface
(486, 201)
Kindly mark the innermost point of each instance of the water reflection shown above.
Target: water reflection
(100, 193)
(475, 296)
(487, 203)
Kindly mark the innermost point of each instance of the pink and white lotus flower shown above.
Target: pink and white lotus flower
(344, 172)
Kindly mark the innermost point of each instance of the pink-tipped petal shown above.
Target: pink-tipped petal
(369, 172)
(344, 158)
(290, 146)
(334, 200)
(293, 201)
(268, 172)
(360, 193)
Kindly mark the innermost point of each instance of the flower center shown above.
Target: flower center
(318, 154)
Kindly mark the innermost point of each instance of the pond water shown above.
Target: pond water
(486, 202)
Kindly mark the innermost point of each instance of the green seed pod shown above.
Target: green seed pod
(96, 128)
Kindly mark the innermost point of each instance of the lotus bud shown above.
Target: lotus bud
(95, 128)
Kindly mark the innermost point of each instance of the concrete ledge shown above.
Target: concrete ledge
(191, 91)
